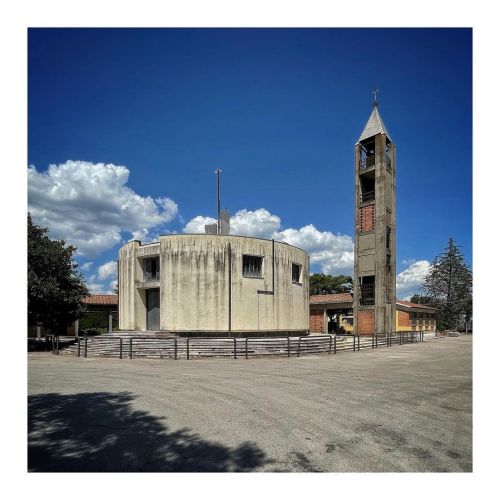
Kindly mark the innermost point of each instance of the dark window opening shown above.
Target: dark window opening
(296, 273)
(388, 238)
(388, 164)
(367, 186)
(252, 266)
(151, 269)
(367, 290)
(367, 158)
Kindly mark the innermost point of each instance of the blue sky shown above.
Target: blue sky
(135, 121)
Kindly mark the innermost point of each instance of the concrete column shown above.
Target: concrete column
(325, 320)
(77, 326)
(38, 332)
(110, 320)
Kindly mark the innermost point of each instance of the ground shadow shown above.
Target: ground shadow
(102, 432)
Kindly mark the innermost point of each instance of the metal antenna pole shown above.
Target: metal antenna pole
(218, 172)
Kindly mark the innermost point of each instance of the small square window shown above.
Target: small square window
(252, 266)
(296, 268)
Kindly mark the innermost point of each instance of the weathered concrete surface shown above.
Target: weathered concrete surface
(194, 285)
(404, 408)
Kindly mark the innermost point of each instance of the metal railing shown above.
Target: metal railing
(134, 347)
(367, 294)
(367, 162)
(367, 196)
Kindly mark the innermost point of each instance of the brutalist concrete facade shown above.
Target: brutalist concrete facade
(198, 285)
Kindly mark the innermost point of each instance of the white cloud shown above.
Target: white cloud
(96, 287)
(108, 270)
(90, 206)
(86, 266)
(197, 224)
(259, 223)
(409, 281)
(333, 253)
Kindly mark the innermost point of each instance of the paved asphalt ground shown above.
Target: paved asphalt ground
(400, 408)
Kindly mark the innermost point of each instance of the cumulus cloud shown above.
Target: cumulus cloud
(333, 253)
(409, 281)
(197, 224)
(108, 270)
(90, 206)
(86, 266)
(259, 223)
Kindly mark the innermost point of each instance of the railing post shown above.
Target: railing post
(246, 348)
(359, 346)
(330, 346)
(400, 338)
(373, 341)
(298, 348)
(121, 348)
(376, 340)
(354, 342)
(85, 351)
(187, 348)
(130, 348)
(288, 344)
(78, 346)
(335, 344)
(234, 347)
(175, 348)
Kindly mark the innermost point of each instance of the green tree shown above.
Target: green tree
(449, 286)
(422, 299)
(55, 287)
(320, 283)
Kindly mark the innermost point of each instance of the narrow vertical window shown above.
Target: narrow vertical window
(296, 268)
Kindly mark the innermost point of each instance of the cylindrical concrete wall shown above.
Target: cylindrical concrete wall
(203, 289)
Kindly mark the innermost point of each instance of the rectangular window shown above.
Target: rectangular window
(388, 238)
(367, 290)
(252, 266)
(296, 273)
(151, 269)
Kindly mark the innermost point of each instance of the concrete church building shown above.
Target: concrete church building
(212, 284)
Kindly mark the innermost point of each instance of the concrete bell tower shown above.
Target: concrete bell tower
(375, 229)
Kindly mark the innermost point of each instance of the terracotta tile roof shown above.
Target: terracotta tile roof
(407, 303)
(330, 298)
(101, 300)
(336, 298)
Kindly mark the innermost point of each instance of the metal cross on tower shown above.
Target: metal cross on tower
(375, 92)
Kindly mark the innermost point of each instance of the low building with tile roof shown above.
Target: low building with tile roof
(332, 313)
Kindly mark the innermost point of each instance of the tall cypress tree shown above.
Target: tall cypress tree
(449, 285)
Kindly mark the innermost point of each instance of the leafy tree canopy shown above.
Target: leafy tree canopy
(55, 287)
(320, 283)
(448, 285)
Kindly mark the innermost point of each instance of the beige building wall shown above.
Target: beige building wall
(198, 282)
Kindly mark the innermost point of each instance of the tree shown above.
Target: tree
(422, 299)
(320, 283)
(55, 287)
(449, 286)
